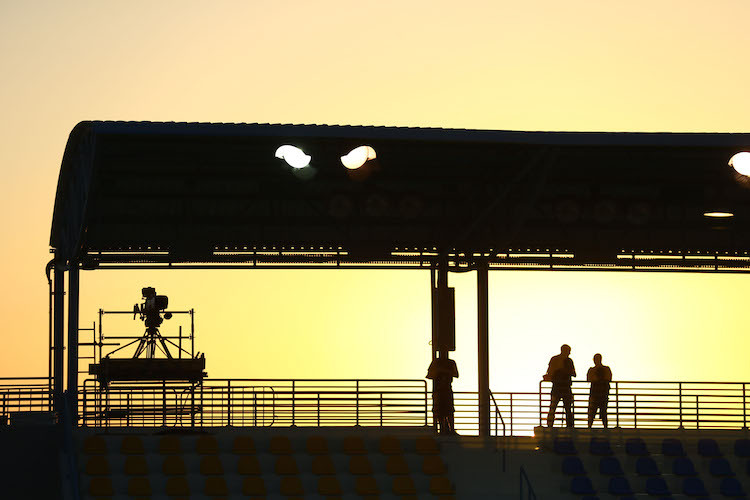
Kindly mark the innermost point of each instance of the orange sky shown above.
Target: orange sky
(546, 65)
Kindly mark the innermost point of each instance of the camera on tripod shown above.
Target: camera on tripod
(150, 310)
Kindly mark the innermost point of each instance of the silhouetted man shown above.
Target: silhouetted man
(560, 372)
(442, 370)
(600, 376)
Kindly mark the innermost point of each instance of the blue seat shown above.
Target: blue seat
(672, 448)
(708, 448)
(742, 448)
(645, 466)
(683, 466)
(600, 447)
(720, 467)
(636, 447)
(572, 466)
(730, 487)
(657, 486)
(564, 447)
(693, 487)
(619, 486)
(610, 466)
(581, 485)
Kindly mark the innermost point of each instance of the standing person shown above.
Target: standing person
(442, 371)
(560, 372)
(600, 376)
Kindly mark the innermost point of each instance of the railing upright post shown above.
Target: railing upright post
(318, 409)
(635, 411)
(381, 410)
(229, 403)
(127, 410)
(85, 413)
(511, 414)
(294, 403)
(679, 392)
(255, 406)
(192, 406)
(164, 403)
(744, 408)
(617, 405)
(357, 404)
(540, 404)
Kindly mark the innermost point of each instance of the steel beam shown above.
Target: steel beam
(73, 288)
(483, 363)
(59, 337)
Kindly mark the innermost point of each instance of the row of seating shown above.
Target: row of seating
(657, 486)
(670, 447)
(646, 466)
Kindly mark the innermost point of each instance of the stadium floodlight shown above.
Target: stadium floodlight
(717, 214)
(358, 157)
(741, 163)
(293, 156)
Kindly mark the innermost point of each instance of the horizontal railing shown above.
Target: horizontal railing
(513, 413)
(24, 394)
(257, 402)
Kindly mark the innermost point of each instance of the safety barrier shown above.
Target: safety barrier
(24, 394)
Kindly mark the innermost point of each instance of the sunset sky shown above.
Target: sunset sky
(677, 66)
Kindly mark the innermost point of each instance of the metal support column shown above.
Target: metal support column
(483, 363)
(59, 337)
(73, 280)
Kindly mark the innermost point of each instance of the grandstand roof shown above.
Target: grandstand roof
(215, 193)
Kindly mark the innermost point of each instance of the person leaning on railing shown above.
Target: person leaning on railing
(600, 376)
(442, 371)
(560, 372)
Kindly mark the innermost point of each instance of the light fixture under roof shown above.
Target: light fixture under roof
(741, 162)
(294, 156)
(358, 157)
(718, 214)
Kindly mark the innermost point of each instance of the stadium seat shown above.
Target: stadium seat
(656, 486)
(100, 486)
(742, 448)
(170, 445)
(645, 466)
(211, 466)
(97, 465)
(286, 466)
(206, 445)
(316, 445)
(441, 486)
(131, 445)
(360, 466)
(683, 466)
(322, 465)
(389, 445)
(248, 466)
(636, 447)
(366, 486)
(329, 485)
(730, 487)
(94, 445)
(619, 486)
(427, 446)
(719, 467)
(708, 448)
(671, 447)
(177, 486)
(396, 465)
(135, 465)
(243, 445)
(432, 465)
(693, 487)
(291, 486)
(216, 486)
(600, 447)
(280, 445)
(253, 486)
(610, 466)
(173, 465)
(581, 485)
(354, 445)
(564, 447)
(139, 487)
(404, 485)
(572, 466)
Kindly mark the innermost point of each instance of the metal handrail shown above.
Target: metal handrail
(497, 436)
(524, 480)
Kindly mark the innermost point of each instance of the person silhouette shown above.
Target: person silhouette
(560, 372)
(442, 371)
(600, 376)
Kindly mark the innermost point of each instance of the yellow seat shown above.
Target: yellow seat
(396, 465)
(427, 446)
(403, 485)
(322, 465)
(207, 445)
(243, 445)
(135, 465)
(389, 445)
(441, 485)
(170, 445)
(253, 486)
(139, 487)
(433, 465)
(329, 485)
(359, 465)
(94, 445)
(366, 485)
(131, 445)
(97, 465)
(216, 486)
(248, 466)
(286, 466)
(280, 445)
(100, 486)
(291, 486)
(177, 486)
(173, 466)
(317, 445)
(354, 445)
(211, 466)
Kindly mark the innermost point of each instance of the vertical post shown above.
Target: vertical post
(192, 406)
(679, 391)
(381, 409)
(59, 337)
(483, 363)
(635, 411)
(179, 345)
(511, 413)
(357, 404)
(697, 414)
(293, 404)
(73, 281)
(229, 403)
(744, 408)
(617, 405)
(540, 403)
(164, 402)
(318, 408)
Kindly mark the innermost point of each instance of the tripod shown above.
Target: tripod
(148, 343)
